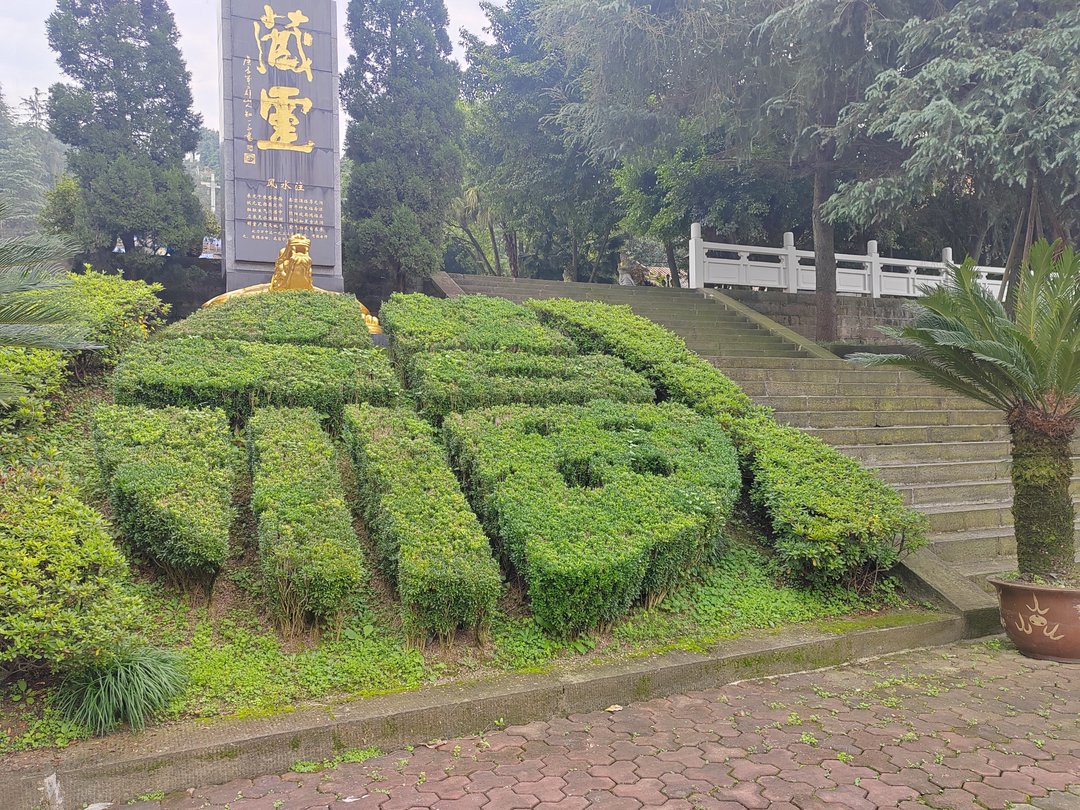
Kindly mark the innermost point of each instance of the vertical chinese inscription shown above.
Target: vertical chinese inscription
(281, 131)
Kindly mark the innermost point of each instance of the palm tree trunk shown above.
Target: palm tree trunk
(1042, 505)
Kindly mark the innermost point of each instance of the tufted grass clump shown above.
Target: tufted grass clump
(131, 686)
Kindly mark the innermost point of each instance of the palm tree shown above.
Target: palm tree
(1027, 366)
(28, 267)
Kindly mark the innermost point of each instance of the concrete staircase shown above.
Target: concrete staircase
(947, 456)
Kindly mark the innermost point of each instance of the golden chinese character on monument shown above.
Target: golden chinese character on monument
(281, 41)
(278, 106)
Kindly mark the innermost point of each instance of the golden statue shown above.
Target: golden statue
(292, 271)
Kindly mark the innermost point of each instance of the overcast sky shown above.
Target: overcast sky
(27, 62)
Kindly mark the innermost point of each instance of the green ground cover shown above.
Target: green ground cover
(597, 506)
(449, 381)
(240, 376)
(170, 475)
(302, 317)
(427, 540)
(831, 518)
(419, 322)
(307, 549)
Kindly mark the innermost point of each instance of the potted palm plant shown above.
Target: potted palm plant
(1027, 365)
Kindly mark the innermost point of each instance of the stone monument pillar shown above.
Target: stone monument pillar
(280, 136)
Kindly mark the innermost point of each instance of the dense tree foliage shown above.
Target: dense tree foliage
(981, 106)
(127, 116)
(31, 160)
(765, 72)
(400, 90)
(554, 204)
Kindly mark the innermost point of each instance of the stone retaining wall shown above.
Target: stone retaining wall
(858, 317)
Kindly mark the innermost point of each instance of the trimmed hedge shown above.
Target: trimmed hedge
(597, 505)
(240, 376)
(417, 322)
(308, 551)
(442, 382)
(63, 597)
(295, 316)
(170, 475)
(428, 540)
(832, 519)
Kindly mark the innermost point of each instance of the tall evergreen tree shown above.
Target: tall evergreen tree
(400, 89)
(127, 114)
(22, 174)
(982, 103)
(555, 201)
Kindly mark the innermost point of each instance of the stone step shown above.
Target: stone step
(974, 545)
(943, 472)
(956, 492)
(718, 331)
(867, 418)
(793, 403)
(881, 454)
(963, 492)
(769, 388)
(965, 517)
(980, 571)
(778, 351)
(736, 339)
(819, 375)
(910, 434)
(796, 365)
(978, 546)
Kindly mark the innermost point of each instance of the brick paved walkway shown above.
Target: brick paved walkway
(965, 726)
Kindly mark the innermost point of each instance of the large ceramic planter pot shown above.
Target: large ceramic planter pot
(1042, 622)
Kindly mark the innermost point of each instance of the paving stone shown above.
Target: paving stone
(958, 746)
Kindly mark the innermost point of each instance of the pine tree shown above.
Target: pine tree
(128, 117)
(400, 89)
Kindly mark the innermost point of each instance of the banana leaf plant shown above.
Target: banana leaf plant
(1027, 365)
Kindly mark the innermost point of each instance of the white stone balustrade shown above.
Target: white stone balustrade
(791, 270)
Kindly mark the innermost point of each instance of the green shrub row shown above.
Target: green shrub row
(170, 474)
(597, 505)
(832, 519)
(40, 373)
(309, 554)
(442, 382)
(427, 539)
(63, 595)
(649, 348)
(419, 322)
(297, 316)
(240, 376)
(118, 313)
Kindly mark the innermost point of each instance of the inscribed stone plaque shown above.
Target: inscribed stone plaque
(280, 133)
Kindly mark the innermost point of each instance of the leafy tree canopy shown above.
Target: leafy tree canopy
(983, 103)
(400, 90)
(127, 114)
